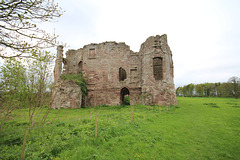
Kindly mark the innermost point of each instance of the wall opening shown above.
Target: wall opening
(80, 66)
(64, 65)
(122, 74)
(157, 68)
(124, 96)
(133, 75)
(92, 53)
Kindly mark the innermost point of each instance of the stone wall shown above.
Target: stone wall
(66, 94)
(102, 71)
(113, 71)
(162, 90)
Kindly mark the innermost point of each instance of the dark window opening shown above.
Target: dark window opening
(124, 96)
(122, 74)
(157, 68)
(64, 64)
(80, 66)
(64, 61)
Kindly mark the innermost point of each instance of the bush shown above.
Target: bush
(127, 100)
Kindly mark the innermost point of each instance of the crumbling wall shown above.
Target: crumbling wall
(65, 94)
(72, 62)
(113, 71)
(101, 65)
(160, 89)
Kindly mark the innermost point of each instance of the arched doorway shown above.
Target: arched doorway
(124, 96)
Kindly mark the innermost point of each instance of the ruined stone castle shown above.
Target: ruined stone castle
(112, 72)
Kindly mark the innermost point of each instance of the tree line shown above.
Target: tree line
(231, 88)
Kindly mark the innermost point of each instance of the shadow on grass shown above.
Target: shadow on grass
(214, 105)
(236, 106)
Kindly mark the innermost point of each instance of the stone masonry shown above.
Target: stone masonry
(113, 71)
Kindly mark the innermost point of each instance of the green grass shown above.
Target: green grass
(197, 128)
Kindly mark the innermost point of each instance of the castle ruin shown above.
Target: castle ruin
(112, 72)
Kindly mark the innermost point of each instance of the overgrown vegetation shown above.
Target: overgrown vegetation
(79, 80)
(192, 130)
(127, 100)
(25, 83)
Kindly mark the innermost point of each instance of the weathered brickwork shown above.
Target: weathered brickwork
(113, 71)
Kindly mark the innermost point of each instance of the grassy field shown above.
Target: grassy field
(197, 128)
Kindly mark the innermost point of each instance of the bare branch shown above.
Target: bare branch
(18, 29)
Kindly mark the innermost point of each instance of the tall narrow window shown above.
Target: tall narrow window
(157, 68)
(122, 74)
(80, 66)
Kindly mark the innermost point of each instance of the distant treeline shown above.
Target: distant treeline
(231, 88)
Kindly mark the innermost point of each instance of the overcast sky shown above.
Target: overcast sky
(204, 35)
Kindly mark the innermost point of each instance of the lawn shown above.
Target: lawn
(197, 128)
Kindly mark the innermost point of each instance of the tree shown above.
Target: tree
(25, 83)
(18, 25)
(39, 81)
(187, 90)
(224, 90)
(235, 86)
(13, 88)
(184, 91)
(190, 88)
(199, 90)
(217, 85)
(179, 91)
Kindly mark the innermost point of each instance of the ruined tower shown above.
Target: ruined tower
(113, 72)
(157, 71)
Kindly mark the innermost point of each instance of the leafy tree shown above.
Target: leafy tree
(208, 89)
(199, 90)
(187, 90)
(39, 82)
(179, 91)
(13, 88)
(18, 25)
(217, 85)
(235, 86)
(224, 90)
(25, 86)
(190, 89)
(184, 91)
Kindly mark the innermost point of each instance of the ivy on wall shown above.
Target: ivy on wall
(78, 79)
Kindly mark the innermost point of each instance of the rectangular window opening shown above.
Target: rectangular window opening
(157, 68)
(92, 53)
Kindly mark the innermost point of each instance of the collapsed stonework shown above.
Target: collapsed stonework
(112, 72)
